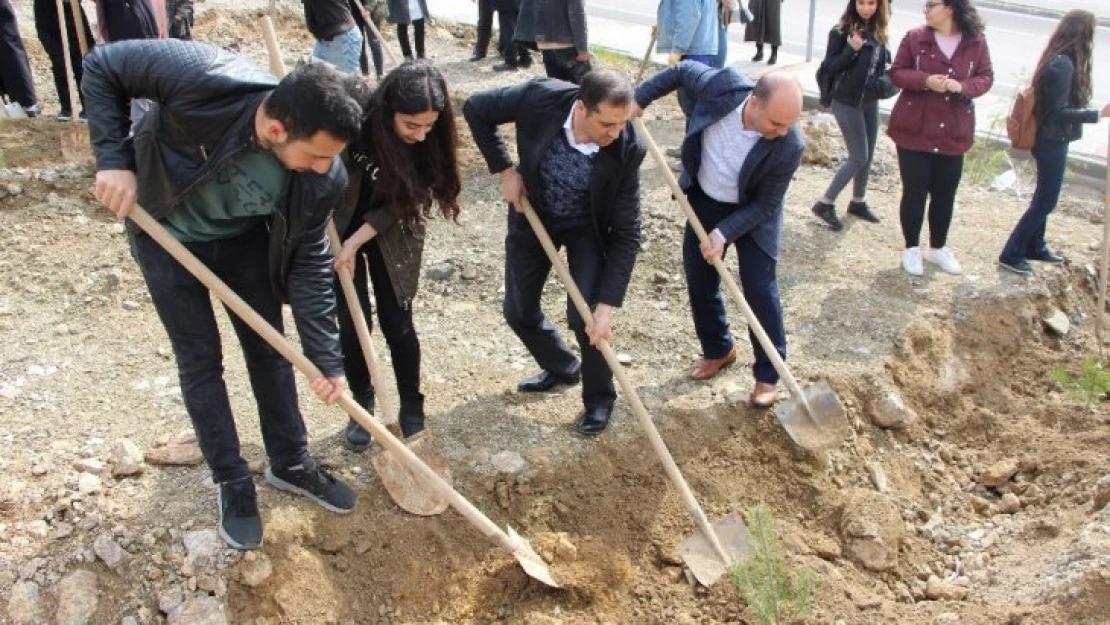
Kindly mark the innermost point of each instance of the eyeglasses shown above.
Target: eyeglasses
(929, 5)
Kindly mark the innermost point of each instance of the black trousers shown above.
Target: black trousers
(418, 36)
(563, 63)
(397, 327)
(46, 22)
(526, 271)
(15, 70)
(485, 27)
(935, 177)
(513, 52)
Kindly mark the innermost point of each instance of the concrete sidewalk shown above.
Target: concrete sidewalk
(1087, 156)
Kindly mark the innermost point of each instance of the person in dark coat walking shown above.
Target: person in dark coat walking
(515, 54)
(484, 29)
(405, 12)
(16, 81)
(765, 27)
(46, 23)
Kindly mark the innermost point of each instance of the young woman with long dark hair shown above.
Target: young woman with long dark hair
(857, 55)
(401, 167)
(1063, 90)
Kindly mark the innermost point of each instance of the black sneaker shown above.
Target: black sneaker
(863, 211)
(827, 213)
(358, 439)
(313, 481)
(1046, 256)
(65, 115)
(240, 524)
(1020, 266)
(505, 67)
(32, 111)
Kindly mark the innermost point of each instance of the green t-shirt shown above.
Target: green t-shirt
(236, 199)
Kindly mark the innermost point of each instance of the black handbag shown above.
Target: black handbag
(881, 86)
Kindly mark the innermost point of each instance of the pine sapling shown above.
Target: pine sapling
(1090, 386)
(774, 592)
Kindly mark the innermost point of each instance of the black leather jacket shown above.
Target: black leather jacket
(852, 68)
(1058, 119)
(206, 101)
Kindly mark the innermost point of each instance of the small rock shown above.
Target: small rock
(440, 271)
(469, 272)
(169, 599)
(176, 453)
(939, 590)
(255, 572)
(878, 477)
(660, 277)
(109, 551)
(1102, 492)
(198, 611)
(565, 550)
(624, 358)
(127, 458)
(24, 605)
(891, 412)
(89, 465)
(129, 620)
(201, 549)
(999, 473)
(872, 529)
(77, 598)
(1009, 504)
(508, 463)
(38, 528)
(88, 484)
(1057, 322)
(39, 469)
(129, 304)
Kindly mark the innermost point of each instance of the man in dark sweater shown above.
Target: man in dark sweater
(579, 165)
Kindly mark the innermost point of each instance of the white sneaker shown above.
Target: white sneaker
(945, 259)
(911, 261)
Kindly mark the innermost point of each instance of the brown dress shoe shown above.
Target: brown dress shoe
(764, 395)
(707, 368)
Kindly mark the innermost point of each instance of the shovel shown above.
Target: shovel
(402, 485)
(1105, 262)
(74, 141)
(720, 545)
(813, 417)
(647, 54)
(509, 540)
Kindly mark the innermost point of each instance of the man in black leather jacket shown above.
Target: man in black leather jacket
(243, 170)
(579, 164)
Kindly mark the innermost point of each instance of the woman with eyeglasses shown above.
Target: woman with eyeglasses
(1062, 83)
(403, 163)
(856, 56)
(940, 67)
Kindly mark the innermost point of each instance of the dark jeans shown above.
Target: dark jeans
(397, 327)
(418, 36)
(932, 176)
(757, 281)
(15, 70)
(46, 23)
(185, 308)
(860, 127)
(1027, 239)
(485, 27)
(562, 63)
(526, 271)
(513, 52)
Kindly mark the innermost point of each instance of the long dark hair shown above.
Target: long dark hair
(413, 177)
(966, 17)
(1074, 37)
(851, 20)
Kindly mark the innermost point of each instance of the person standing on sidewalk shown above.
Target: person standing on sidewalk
(1063, 90)
(16, 81)
(940, 68)
(243, 170)
(484, 30)
(856, 55)
(738, 157)
(338, 37)
(50, 34)
(557, 28)
(579, 164)
(403, 163)
(405, 12)
(765, 28)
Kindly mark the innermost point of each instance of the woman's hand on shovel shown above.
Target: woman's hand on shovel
(117, 190)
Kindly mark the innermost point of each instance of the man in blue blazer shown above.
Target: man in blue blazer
(740, 152)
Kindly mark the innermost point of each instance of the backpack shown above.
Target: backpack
(1021, 125)
(826, 81)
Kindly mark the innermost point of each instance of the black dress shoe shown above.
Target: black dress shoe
(1046, 256)
(505, 67)
(593, 421)
(477, 56)
(545, 381)
(358, 439)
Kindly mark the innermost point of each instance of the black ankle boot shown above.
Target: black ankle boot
(412, 416)
(758, 53)
(774, 55)
(357, 438)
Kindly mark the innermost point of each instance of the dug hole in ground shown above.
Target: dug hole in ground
(967, 491)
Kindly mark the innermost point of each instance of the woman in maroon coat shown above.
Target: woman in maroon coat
(940, 67)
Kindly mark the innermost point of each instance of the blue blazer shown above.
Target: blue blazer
(766, 172)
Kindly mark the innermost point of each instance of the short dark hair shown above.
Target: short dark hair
(605, 85)
(314, 98)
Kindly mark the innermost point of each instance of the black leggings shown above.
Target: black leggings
(933, 176)
(418, 35)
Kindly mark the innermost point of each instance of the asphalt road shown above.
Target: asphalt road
(1016, 40)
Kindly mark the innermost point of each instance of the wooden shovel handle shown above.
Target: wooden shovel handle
(638, 408)
(350, 294)
(79, 26)
(647, 54)
(1105, 265)
(305, 366)
(73, 96)
(729, 281)
(277, 65)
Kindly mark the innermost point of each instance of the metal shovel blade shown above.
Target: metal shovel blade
(529, 560)
(406, 487)
(823, 426)
(75, 144)
(702, 559)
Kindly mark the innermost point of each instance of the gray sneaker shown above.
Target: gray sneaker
(311, 480)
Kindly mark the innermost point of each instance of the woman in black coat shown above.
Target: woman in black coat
(765, 28)
(405, 12)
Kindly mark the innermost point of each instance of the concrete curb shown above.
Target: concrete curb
(1029, 9)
